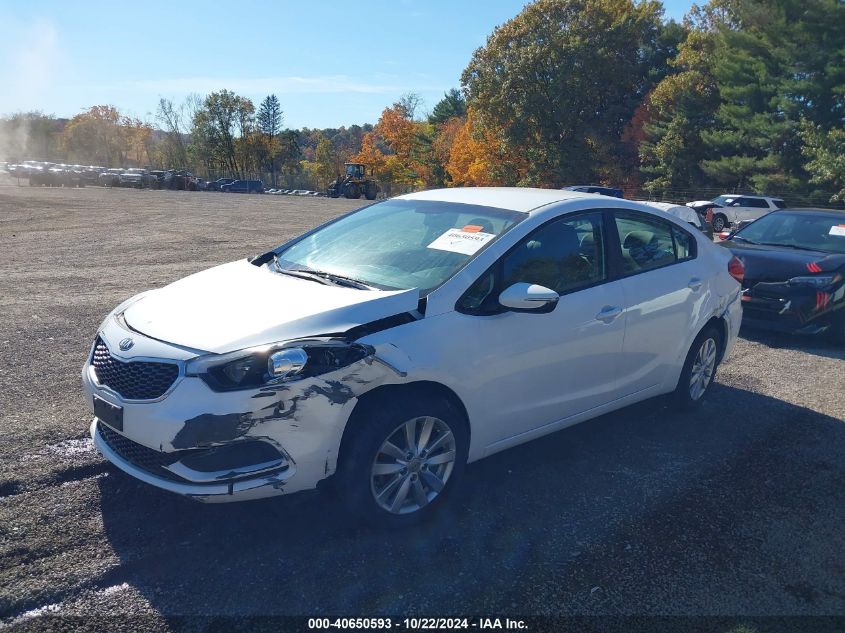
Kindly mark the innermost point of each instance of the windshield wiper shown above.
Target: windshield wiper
(321, 277)
(340, 280)
(302, 274)
(798, 248)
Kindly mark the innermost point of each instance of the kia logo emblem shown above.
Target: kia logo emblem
(126, 344)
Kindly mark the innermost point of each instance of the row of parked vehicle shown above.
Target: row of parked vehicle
(720, 216)
(42, 173)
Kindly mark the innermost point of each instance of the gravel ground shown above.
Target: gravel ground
(734, 510)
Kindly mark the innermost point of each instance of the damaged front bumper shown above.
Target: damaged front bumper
(222, 446)
(782, 307)
(240, 490)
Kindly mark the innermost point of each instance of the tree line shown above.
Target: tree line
(742, 95)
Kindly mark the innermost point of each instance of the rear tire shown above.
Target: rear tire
(699, 369)
(402, 461)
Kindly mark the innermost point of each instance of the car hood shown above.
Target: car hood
(239, 305)
(774, 263)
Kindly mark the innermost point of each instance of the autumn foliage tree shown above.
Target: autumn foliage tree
(561, 79)
(104, 136)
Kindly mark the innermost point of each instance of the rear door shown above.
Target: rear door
(751, 208)
(663, 289)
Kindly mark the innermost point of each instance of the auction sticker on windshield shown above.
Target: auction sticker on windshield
(462, 240)
(838, 230)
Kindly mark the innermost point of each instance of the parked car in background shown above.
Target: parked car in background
(136, 177)
(391, 346)
(604, 191)
(736, 208)
(794, 278)
(214, 185)
(178, 179)
(51, 175)
(243, 186)
(110, 177)
(91, 174)
(684, 213)
(157, 179)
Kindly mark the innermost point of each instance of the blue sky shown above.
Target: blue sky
(327, 67)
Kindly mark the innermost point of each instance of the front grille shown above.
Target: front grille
(132, 380)
(138, 455)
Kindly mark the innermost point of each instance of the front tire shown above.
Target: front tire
(353, 191)
(403, 459)
(720, 222)
(699, 369)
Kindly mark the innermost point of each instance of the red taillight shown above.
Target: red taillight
(813, 267)
(736, 269)
(724, 235)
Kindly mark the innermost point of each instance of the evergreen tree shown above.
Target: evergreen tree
(451, 105)
(269, 121)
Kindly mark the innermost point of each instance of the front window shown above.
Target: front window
(400, 244)
(803, 230)
(564, 255)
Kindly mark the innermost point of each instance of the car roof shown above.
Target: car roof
(747, 195)
(522, 199)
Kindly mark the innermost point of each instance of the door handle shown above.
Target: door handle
(608, 313)
(694, 284)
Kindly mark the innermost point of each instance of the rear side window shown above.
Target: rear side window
(684, 244)
(648, 243)
(780, 204)
(755, 203)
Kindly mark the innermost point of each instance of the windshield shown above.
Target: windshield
(400, 244)
(816, 232)
(724, 200)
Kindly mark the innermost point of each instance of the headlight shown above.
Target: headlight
(271, 364)
(816, 281)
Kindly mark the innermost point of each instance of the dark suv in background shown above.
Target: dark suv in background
(243, 186)
(604, 191)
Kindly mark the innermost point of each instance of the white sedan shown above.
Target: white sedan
(383, 351)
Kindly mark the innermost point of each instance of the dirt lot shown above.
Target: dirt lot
(737, 509)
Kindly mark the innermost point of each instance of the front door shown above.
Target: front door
(534, 369)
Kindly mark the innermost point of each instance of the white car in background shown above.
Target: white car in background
(682, 212)
(383, 351)
(731, 209)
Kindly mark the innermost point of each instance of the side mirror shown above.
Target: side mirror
(523, 297)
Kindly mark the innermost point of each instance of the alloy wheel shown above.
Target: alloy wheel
(413, 465)
(703, 368)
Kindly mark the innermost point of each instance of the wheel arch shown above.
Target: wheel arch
(722, 326)
(424, 388)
